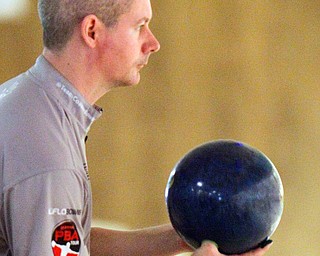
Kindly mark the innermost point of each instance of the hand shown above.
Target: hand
(209, 249)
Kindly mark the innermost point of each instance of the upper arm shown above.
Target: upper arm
(44, 211)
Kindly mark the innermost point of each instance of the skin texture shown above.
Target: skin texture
(107, 57)
(210, 249)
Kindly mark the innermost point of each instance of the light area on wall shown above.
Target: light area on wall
(13, 9)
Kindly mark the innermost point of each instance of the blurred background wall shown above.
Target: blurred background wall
(245, 70)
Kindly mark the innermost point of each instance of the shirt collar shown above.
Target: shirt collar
(67, 95)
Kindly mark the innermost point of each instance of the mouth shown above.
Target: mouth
(140, 66)
(143, 63)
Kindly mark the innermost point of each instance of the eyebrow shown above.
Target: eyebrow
(144, 19)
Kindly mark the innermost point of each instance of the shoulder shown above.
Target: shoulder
(33, 128)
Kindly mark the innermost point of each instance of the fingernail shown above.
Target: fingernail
(211, 242)
(265, 243)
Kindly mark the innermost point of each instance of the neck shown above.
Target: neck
(79, 72)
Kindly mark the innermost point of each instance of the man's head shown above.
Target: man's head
(60, 17)
(102, 43)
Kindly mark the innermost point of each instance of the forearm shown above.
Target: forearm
(158, 241)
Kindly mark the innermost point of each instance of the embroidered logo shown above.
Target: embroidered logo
(64, 89)
(65, 239)
(64, 211)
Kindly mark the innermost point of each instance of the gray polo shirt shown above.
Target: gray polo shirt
(45, 189)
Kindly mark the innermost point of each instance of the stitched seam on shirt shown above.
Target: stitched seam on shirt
(46, 171)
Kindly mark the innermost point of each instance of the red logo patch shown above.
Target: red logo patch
(65, 239)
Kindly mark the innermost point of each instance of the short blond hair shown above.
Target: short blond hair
(60, 17)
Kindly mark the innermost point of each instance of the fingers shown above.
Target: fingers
(259, 251)
(207, 249)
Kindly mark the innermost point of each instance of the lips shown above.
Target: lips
(143, 63)
(140, 66)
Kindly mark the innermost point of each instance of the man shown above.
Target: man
(90, 47)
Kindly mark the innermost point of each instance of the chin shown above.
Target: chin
(133, 81)
(128, 81)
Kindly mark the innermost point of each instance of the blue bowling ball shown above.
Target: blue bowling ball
(227, 192)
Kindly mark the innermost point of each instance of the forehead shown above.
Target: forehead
(139, 9)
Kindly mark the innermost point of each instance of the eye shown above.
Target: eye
(141, 26)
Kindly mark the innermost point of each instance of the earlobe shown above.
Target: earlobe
(89, 30)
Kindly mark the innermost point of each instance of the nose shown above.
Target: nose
(152, 44)
(156, 44)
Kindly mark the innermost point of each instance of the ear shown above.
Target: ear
(89, 29)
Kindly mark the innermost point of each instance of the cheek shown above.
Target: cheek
(120, 51)
(123, 52)
(129, 50)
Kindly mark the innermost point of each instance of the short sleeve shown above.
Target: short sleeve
(48, 214)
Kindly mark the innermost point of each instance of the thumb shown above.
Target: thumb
(207, 248)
